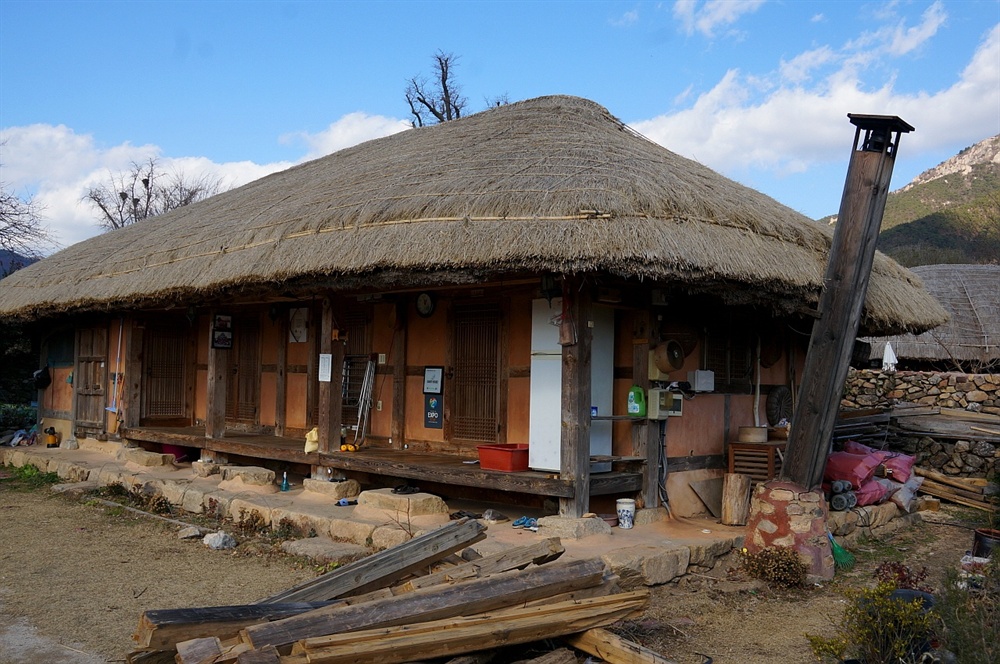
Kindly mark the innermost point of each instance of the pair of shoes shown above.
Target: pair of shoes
(462, 514)
(344, 502)
(406, 489)
(525, 522)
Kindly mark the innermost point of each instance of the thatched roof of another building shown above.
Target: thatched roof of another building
(971, 296)
(554, 184)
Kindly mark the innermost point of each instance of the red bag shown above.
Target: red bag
(871, 492)
(855, 468)
(899, 466)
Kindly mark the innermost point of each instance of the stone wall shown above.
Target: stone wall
(978, 393)
(974, 392)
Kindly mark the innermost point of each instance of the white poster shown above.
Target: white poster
(325, 367)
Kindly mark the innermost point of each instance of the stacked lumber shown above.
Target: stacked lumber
(967, 491)
(412, 602)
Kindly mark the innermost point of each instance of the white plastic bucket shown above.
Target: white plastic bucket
(626, 512)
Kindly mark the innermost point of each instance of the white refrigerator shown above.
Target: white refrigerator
(545, 413)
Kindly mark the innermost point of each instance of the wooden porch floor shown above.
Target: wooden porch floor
(384, 462)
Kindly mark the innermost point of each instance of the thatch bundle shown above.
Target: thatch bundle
(553, 184)
(971, 296)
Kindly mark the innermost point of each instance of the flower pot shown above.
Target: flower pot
(984, 541)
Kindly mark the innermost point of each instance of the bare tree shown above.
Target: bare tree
(21, 229)
(144, 191)
(439, 99)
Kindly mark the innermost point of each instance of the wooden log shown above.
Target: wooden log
(613, 649)
(735, 499)
(459, 599)
(199, 651)
(443, 638)
(385, 567)
(163, 629)
(940, 478)
(951, 497)
(517, 558)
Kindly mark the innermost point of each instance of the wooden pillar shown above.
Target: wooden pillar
(215, 406)
(645, 434)
(330, 394)
(281, 376)
(845, 285)
(397, 430)
(132, 393)
(575, 337)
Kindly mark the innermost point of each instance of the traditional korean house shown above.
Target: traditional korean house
(534, 275)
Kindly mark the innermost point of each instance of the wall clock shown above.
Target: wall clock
(425, 304)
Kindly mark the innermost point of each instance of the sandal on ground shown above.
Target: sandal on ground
(405, 489)
(462, 514)
(520, 522)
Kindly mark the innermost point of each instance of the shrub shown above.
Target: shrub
(877, 628)
(970, 611)
(778, 565)
(901, 576)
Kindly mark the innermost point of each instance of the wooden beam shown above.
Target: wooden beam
(575, 336)
(438, 602)
(384, 567)
(845, 285)
(215, 406)
(132, 394)
(489, 631)
(281, 376)
(646, 441)
(613, 649)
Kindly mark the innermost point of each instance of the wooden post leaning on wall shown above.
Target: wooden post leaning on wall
(845, 285)
(645, 434)
(215, 406)
(132, 393)
(575, 336)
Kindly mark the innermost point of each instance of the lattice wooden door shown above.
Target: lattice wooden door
(243, 389)
(164, 366)
(475, 408)
(91, 377)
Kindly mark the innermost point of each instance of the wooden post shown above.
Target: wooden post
(735, 499)
(576, 336)
(843, 296)
(132, 394)
(215, 406)
(397, 430)
(281, 376)
(645, 434)
(331, 400)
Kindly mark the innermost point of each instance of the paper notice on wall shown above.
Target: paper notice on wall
(325, 367)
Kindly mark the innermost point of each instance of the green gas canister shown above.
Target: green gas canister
(636, 402)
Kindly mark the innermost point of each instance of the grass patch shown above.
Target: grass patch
(26, 478)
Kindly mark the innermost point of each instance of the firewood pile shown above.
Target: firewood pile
(416, 601)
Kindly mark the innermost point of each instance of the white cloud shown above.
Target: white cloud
(791, 127)
(57, 166)
(349, 130)
(905, 40)
(712, 14)
(799, 69)
(627, 19)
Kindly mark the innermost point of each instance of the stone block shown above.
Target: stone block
(70, 471)
(302, 521)
(767, 526)
(205, 468)
(842, 523)
(141, 457)
(109, 447)
(649, 515)
(250, 475)
(386, 537)
(335, 490)
(414, 504)
(349, 530)
(705, 554)
(783, 495)
(249, 505)
(239, 485)
(647, 565)
(567, 528)
(325, 550)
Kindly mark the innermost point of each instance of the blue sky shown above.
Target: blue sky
(758, 90)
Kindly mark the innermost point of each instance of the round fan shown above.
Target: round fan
(669, 356)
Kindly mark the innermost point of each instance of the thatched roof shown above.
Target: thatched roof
(971, 296)
(511, 190)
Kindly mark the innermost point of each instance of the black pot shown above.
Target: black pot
(984, 540)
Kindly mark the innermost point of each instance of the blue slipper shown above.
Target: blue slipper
(520, 522)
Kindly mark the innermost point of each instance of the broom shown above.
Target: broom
(842, 558)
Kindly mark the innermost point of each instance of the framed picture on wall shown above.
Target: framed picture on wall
(222, 331)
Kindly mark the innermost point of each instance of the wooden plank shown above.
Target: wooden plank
(151, 657)
(215, 406)
(613, 649)
(281, 375)
(735, 499)
(646, 442)
(442, 638)
(520, 557)
(199, 651)
(397, 424)
(560, 656)
(132, 393)
(935, 490)
(266, 655)
(973, 494)
(385, 567)
(576, 338)
(438, 602)
(957, 482)
(164, 628)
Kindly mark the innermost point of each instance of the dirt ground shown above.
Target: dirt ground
(74, 579)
